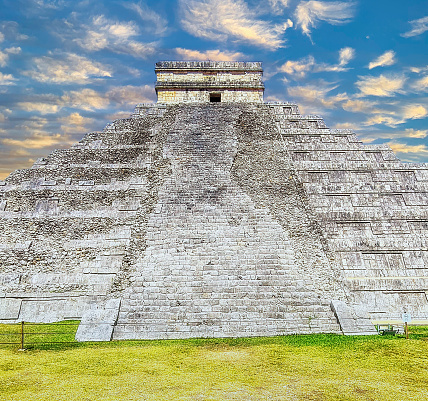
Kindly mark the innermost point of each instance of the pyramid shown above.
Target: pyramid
(214, 214)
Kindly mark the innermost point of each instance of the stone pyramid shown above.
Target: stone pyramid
(213, 214)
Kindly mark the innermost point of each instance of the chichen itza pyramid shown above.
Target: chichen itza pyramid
(214, 214)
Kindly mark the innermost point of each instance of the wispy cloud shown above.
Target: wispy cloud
(421, 84)
(114, 36)
(4, 55)
(396, 114)
(308, 64)
(384, 119)
(37, 141)
(46, 4)
(414, 111)
(7, 79)
(409, 153)
(230, 19)
(419, 26)
(298, 68)
(160, 24)
(318, 95)
(359, 106)
(75, 123)
(89, 99)
(278, 6)
(40, 107)
(395, 134)
(10, 31)
(309, 13)
(346, 55)
(214, 55)
(387, 58)
(380, 86)
(67, 69)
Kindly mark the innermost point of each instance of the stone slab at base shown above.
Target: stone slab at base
(97, 324)
(350, 322)
(9, 308)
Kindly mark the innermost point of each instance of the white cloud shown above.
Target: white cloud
(70, 69)
(76, 119)
(1, 37)
(116, 37)
(419, 26)
(74, 123)
(159, 23)
(41, 107)
(380, 86)
(3, 58)
(278, 6)
(317, 94)
(414, 111)
(395, 134)
(421, 84)
(388, 120)
(346, 55)
(214, 55)
(37, 141)
(13, 50)
(300, 68)
(418, 70)
(397, 114)
(359, 106)
(387, 58)
(308, 13)
(85, 99)
(131, 95)
(230, 19)
(4, 55)
(53, 4)
(409, 153)
(412, 133)
(9, 30)
(89, 99)
(7, 79)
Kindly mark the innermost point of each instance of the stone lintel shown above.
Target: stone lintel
(183, 66)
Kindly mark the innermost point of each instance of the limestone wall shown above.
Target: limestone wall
(373, 210)
(203, 96)
(193, 82)
(227, 219)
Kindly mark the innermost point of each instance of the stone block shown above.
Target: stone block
(350, 322)
(9, 308)
(98, 322)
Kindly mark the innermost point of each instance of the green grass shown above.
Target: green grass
(304, 367)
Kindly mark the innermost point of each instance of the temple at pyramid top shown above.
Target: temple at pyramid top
(209, 81)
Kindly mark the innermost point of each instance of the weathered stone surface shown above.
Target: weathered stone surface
(200, 81)
(352, 321)
(9, 308)
(97, 323)
(216, 219)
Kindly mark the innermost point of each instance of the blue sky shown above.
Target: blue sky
(70, 67)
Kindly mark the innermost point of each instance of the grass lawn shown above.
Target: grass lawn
(304, 367)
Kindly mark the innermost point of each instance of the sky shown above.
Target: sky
(68, 67)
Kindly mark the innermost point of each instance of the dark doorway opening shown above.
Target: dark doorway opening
(215, 97)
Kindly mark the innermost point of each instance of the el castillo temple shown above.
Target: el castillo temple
(214, 214)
